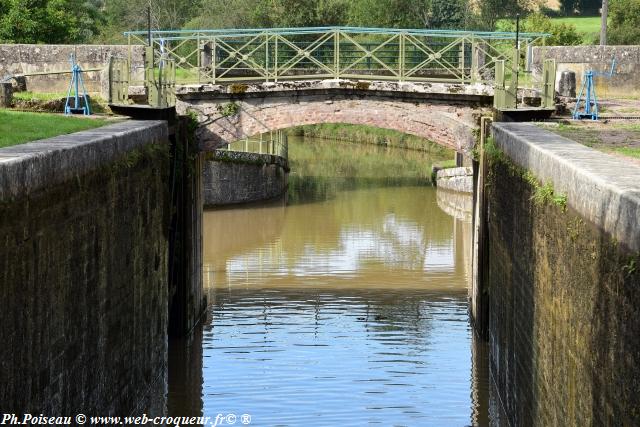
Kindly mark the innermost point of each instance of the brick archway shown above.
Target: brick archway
(224, 119)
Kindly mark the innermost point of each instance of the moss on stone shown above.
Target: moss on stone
(238, 88)
(541, 193)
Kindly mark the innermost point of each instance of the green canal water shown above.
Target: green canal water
(343, 305)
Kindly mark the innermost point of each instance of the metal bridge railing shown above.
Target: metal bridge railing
(219, 56)
(274, 143)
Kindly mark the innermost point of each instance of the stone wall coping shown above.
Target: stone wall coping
(28, 167)
(452, 90)
(247, 157)
(603, 189)
(624, 54)
(449, 172)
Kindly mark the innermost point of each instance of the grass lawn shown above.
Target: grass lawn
(28, 96)
(613, 138)
(628, 151)
(587, 26)
(18, 127)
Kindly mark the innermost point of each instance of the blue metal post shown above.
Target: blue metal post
(75, 84)
(75, 80)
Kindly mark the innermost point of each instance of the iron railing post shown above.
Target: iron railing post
(401, 67)
(336, 54)
(275, 59)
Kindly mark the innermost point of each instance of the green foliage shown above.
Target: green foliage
(545, 194)
(630, 267)
(370, 135)
(624, 22)
(301, 13)
(587, 26)
(492, 152)
(389, 13)
(542, 194)
(101, 21)
(448, 13)
(229, 109)
(562, 34)
(49, 21)
(628, 151)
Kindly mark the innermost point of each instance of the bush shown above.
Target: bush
(561, 34)
(624, 22)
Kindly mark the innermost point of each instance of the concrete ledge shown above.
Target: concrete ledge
(455, 179)
(29, 167)
(603, 189)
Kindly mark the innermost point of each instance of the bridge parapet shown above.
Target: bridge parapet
(263, 60)
(232, 55)
(478, 92)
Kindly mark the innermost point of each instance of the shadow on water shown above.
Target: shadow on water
(347, 306)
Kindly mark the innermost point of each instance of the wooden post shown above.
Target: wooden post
(603, 22)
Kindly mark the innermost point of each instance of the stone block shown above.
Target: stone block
(6, 94)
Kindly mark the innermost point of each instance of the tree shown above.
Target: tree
(624, 22)
(448, 14)
(389, 13)
(493, 10)
(125, 15)
(49, 21)
(269, 13)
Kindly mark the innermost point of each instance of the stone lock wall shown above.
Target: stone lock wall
(233, 177)
(83, 272)
(579, 59)
(564, 291)
(32, 58)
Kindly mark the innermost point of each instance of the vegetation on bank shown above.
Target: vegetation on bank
(347, 166)
(20, 127)
(371, 135)
(628, 151)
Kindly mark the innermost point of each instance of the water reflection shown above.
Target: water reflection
(347, 306)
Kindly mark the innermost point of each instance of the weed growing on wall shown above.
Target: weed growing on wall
(630, 267)
(229, 109)
(542, 194)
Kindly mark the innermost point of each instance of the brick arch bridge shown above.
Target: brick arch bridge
(446, 114)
